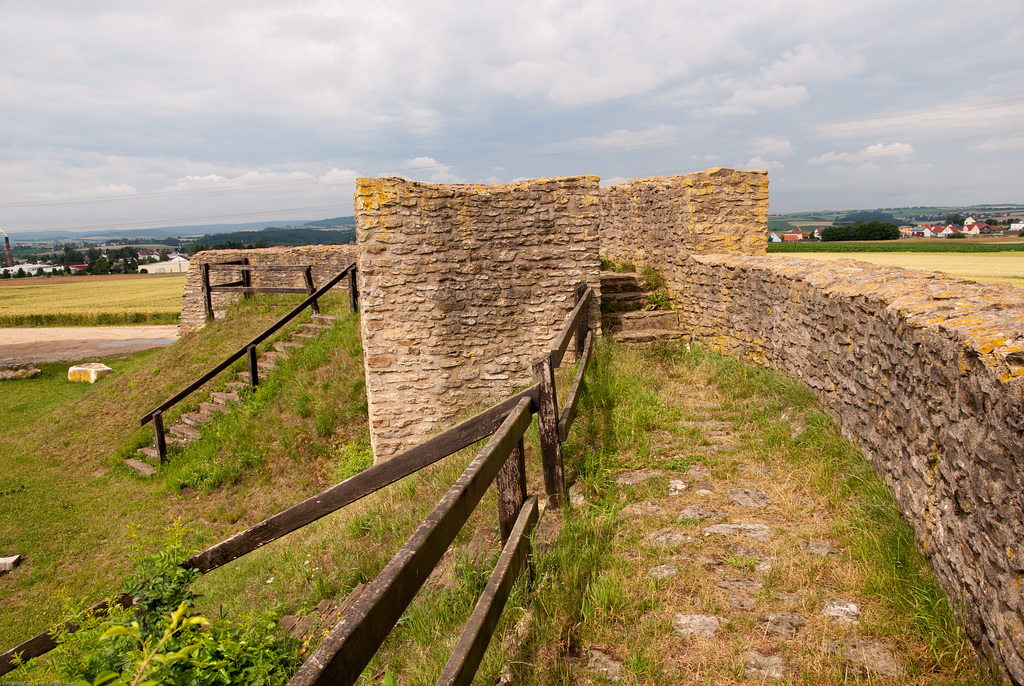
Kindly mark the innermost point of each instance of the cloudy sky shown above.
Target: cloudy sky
(125, 113)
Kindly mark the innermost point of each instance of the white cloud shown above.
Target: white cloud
(897, 152)
(812, 63)
(750, 99)
(772, 145)
(758, 162)
(429, 169)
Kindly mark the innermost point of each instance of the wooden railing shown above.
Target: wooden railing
(244, 284)
(355, 639)
(249, 350)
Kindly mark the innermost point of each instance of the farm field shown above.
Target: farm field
(1005, 267)
(92, 300)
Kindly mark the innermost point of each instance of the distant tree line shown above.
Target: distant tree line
(861, 217)
(871, 231)
(264, 238)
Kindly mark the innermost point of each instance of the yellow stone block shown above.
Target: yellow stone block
(89, 372)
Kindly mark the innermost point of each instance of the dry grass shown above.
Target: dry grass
(1004, 267)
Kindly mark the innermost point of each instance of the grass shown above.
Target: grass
(305, 428)
(91, 301)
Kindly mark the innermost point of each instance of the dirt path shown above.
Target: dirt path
(20, 347)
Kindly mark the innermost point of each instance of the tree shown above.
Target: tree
(956, 218)
(99, 266)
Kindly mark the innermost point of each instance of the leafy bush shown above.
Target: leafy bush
(162, 639)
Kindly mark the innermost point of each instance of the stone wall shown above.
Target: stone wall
(462, 287)
(924, 373)
(327, 261)
(652, 221)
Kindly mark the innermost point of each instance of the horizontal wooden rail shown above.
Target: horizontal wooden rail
(232, 288)
(561, 343)
(195, 385)
(469, 651)
(354, 640)
(44, 642)
(374, 478)
(227, 267)
(573, 399)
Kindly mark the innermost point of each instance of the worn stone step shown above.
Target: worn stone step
(185, 432)
(304, 334)
(139, 467)
(273, 358)
(313, 326)
(620, 282)
(171, 439)
(324, 318)
(235, 386)
(648, 336)
(212, 408)
(624, 302)
(285, 346)
(614, 322)
(224, 397)
(149, 452)
(195, 418)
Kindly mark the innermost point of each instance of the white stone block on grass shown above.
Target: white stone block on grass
(90, 372)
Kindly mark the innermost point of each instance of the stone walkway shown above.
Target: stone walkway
(733, 554)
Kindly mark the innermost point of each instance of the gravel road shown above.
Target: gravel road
(19, 347)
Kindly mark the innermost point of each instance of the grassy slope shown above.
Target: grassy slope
(80, 517)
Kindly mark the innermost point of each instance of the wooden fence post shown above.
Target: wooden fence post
(161, 441)
(511, 485)
(307, 274)
(547, 425)
(254, 374)
(207, 296)
(246, 277)
(584, 324)
(353, 293)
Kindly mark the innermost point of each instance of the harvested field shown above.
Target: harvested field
(91, 300)
(1007, 267)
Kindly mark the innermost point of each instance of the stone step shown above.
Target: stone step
(149, 452)
(171, 439)
(212, 408)
(325, 318)
(304, 334)
(185, 432)
(648, 336)
(235, 386)
(624, 302)
(229, 396)
(273, 358)
(620, 282)
(195, 418)
(285, 346)
(313, 326)
(141, 468)
(614, 322)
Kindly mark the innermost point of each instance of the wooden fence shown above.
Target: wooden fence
(244, 284)
(249, 349)
(358, 635)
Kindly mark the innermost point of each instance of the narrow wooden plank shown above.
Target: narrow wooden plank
(44, 643)
(359, 486)
(159, 438)
(204, 271)
(257, 289)
(353, 641)
(583, 325)
(307, 277)
(254, 371)
(246, 277)
(561, 343)
(547, 427)
(227, 267)
(353, 291)
(476, 636)
(511, 487)
(573, 399)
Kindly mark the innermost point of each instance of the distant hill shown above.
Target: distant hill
(272, 236)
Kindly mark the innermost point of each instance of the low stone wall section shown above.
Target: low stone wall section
(924, 373)
(326, 260)
(462, 287)
(648, 221)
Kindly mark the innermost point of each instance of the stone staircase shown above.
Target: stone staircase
(187, 430)
(623, 298)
